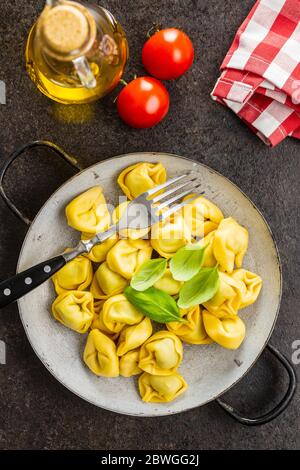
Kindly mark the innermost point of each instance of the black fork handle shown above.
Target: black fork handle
(21, 284)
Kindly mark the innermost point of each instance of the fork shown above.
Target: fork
(151, 209)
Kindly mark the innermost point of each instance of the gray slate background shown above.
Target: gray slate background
(36, 411)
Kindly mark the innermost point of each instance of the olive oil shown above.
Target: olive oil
(76, 53)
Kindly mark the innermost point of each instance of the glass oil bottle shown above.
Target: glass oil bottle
(76, 52)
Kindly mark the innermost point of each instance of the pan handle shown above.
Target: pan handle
(37, 143)
(279, 408)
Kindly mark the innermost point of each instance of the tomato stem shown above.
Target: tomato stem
(154, 29)
(123, 82)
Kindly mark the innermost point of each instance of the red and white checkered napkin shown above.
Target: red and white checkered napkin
(260, 78)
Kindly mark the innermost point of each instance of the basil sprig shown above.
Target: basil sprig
(200, 285)
(150, 272)
(187, 262)
(201, 288)
(155, 304)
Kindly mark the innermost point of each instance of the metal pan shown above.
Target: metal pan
(209, 370)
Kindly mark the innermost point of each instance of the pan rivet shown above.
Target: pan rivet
(28, 281)
(7, 292)
(47, 269)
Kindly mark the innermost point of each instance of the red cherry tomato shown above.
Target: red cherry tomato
(143, 103)
(168, 54)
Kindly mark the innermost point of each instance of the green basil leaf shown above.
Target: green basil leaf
(200, 288)
(187, 262)
(155, 304)
(150, 272)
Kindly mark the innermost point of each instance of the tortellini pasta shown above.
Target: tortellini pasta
(118, 312)
(227, 301)
(99, 252)
(107, 282)
(75, 275)
(229, 332)
(253, 285)
(158, 389)
(98, 304)
(97, 324)
(132, 233)
(209, 259)
(127, 256)
(140, 177)
(132, 337)
(88, 212)
(161, 354)
(74, 309)
(202, 216)
(230, 244)
(100, 355)
(129, 363)
(193, 331)
(170, 235)
(168, 284)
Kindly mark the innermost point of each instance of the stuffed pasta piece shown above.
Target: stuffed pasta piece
(74, 309)
(168, 284)
(99, 252)
(132, 337)
(140, 177)
(97, 324)
(134, 216)
(117, 312)
(228, 332)
(253, 284)
(209, 260)
(127, 256)
(202, 216)
(228, 299)
(100, 355)
(88, 212)
(230, 244)
(192, 332)
(107, 282)
(161, 354)
(170, 235)
(129, 363)
(75, 275)
(98, 304)
(158, 389)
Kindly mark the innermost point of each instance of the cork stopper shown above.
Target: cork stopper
(67, 29)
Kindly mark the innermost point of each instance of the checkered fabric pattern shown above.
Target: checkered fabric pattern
(260, 79)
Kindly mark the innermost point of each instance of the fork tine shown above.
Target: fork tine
(172, 190)
(150, 192)
(177, 197)
(176, 208)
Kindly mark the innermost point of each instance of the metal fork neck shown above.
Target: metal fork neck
(80, 249)
(85, 246)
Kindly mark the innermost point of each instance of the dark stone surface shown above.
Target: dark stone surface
(36, 411)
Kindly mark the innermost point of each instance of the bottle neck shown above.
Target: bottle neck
(66, 30)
